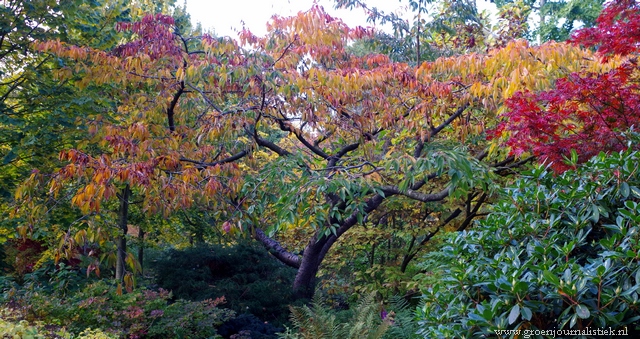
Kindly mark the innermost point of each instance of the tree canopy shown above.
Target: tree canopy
(291, 129)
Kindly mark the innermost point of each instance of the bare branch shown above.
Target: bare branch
(276, 249)
(219, 162)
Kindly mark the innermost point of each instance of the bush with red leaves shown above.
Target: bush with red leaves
(586, 112)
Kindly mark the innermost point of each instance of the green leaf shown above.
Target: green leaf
(624, 189)
(595, 216)
(573, 320)
(574, 157)
(551, 278)
(526, 313)
(9, 157)
(514, 314)
(582, 311)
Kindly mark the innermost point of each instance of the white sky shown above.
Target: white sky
(226, 17)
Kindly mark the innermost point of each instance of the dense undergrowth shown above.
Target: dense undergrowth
(248, 277)
(42, 305)
(558, 252)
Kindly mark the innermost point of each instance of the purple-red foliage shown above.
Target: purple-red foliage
(617, 30)
(154, 37)
(23, 254)
(585, 112)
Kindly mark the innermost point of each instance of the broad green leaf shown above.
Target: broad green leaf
(582, 311)
(526, 313)
(624, 189)
(514, 314)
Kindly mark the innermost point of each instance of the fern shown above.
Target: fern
(318, 322)
(404, 324)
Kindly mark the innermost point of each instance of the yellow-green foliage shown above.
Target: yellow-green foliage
(95, 334)
(19, 330)
(24, 330)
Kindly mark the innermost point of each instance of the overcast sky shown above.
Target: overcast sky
(226, 17)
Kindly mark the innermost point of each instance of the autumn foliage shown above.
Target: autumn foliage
(586, 111)
(339, 153)
(295, 131)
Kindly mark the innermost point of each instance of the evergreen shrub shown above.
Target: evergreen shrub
(249, 278)
(559, 252)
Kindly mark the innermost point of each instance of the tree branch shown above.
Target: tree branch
(334, 158)
(271, 146)
(288, 128)
(473, 213)
(232, 158)
(508, 166)
(172, 106)
(276, 249)
(436, 130)
(394, 190)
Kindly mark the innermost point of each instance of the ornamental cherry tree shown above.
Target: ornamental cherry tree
(290, 131)
(587, 111)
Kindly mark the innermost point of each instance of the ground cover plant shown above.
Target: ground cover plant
(100, 305)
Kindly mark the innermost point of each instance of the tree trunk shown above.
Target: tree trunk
(305, 281)
(141, 250)
(123, 216)
(372, 255)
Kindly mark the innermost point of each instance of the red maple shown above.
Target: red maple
(586, 112)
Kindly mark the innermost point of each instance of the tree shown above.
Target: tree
(38, 114)
(295, 130)
(42, 115)
(437, 29)
(556, 20)
(34, 120)
(588, 110)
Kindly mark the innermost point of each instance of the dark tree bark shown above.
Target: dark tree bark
(305, 281)
(141, 250)
(123, 216)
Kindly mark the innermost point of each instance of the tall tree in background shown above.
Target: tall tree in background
(435, 29)
(40, 115)
(553, 19)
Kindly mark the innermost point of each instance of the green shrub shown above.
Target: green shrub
(94, 334)
(248, 277)
(11, 327)
(20, 329)
(557, 253)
